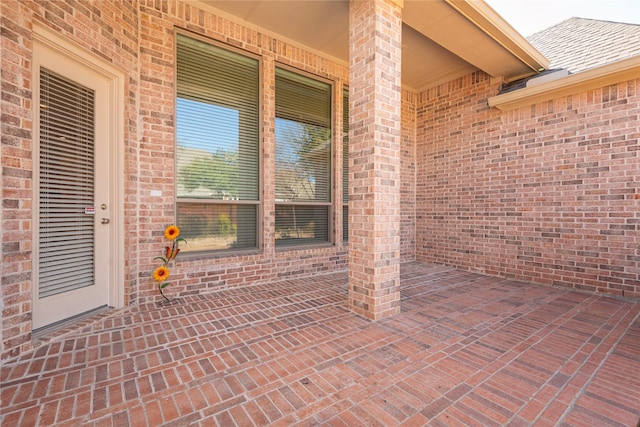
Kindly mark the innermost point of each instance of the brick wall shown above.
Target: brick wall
(109, 32)
(547, 193)
(375, 50)
(15, 155)
(138, 38)
(408, 178)
(200, 274)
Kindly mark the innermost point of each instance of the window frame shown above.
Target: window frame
(330, 203)
(259, 203)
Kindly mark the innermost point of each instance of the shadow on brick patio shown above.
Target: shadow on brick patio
(466, 350)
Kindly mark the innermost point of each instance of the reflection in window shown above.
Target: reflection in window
(205, 170)
(303, 159)
(217, 153)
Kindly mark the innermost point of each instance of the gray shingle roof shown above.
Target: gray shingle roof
(579, 44)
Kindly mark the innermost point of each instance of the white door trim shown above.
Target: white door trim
(116, 91)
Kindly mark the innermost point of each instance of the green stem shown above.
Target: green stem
(162, 293)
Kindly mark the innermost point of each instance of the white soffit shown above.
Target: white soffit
(442, 39)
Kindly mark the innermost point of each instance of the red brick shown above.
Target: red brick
(353, 363)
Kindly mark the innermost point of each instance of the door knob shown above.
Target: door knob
(105, 220)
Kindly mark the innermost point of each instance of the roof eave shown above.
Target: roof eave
(485, 18)
(591, 79)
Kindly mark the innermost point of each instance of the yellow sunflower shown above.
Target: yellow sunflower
(171, 232)
(161, 273)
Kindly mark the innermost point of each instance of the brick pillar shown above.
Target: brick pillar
(375, 48)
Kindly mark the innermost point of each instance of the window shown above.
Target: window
(67, 180)
(345, 165)
(303, 159)
(217, 153)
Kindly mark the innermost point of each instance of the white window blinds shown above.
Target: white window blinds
(217, 122)
(66, 179)
(303, 159)
(345, 165)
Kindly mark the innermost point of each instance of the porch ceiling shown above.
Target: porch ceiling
(442, 39)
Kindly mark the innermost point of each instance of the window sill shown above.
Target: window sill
(303, 247)
(205, 255)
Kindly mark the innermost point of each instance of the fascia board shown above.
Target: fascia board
(485, 18)
(591, 79)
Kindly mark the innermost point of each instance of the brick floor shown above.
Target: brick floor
(466, 350)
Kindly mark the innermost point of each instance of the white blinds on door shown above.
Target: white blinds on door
(66, 177)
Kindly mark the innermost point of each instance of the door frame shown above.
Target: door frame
(115, 127)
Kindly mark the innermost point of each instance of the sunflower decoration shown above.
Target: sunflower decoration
(171, 232)
(161, 274)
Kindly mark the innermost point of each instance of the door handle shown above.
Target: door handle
(105, 220)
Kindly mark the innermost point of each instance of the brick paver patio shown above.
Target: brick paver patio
(466, 350)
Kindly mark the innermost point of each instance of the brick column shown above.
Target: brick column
(375, 48)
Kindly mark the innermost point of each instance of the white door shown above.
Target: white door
(72, 206)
